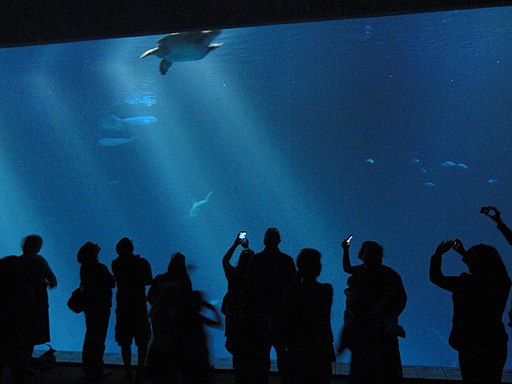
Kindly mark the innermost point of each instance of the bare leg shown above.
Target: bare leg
(126, 352)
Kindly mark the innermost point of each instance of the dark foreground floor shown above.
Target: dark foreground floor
(72, 374)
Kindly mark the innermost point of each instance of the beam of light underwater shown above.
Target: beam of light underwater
(179, 164)
(172, 152)
(71, 141)
(18, 211)
(97, 201)
(178, 183)
(245, 119)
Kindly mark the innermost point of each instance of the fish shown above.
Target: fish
(116, 124)
(197, 205)
(429, 184)
(493, 181)
(370, 161)
(137, 120)
(451, 164)
(448, 164)
(114, 141)
(183, 46)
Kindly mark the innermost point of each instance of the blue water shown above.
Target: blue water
(395, 129)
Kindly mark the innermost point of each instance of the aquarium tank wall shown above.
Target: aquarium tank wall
(394, 129)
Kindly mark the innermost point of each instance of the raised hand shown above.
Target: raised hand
(444, 247)
(491, 212)
(345, 244)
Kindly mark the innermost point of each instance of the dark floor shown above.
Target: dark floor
(72, 374)
(68, 370)
(69, 373)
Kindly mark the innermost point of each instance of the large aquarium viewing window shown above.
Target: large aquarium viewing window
(395, 129)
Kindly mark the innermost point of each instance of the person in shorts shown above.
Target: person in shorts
(132, 274)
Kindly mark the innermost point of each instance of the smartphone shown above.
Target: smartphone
(349, 239)
(242, 237)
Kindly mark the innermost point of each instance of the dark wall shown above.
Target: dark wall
(40, 21)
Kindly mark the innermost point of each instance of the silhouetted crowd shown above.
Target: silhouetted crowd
(271, 302)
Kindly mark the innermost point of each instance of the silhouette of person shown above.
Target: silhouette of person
(479, 300)
(237, 281)
(270, 272)
(495, 215)
(132, 274)
(179, 344)
(306, 323)
(97, 283)
(15, 320)
(39, 277)
(375, 299)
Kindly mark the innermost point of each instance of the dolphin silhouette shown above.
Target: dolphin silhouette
(194, 211)
(183, 46)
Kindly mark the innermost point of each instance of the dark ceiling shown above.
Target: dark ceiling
(43, 21)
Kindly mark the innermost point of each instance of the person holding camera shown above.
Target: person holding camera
(236, 277)
(495, 215)
(375, 299)
(479, 300)
(270, 273)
